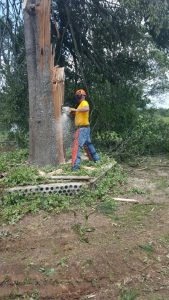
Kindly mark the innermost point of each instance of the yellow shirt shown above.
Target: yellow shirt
(82, 118)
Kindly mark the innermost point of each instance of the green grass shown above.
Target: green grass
(22, 175)
(165, 238)
(162, 183)
(3, 136)
(47, 272)
(108, 206)
(17, 172)
(97, 167)
(9, 160)
(129, 295)
(147, 247)
(15, 206)
(137, 213)
(136, 190)
(81, 231)
(165, 119)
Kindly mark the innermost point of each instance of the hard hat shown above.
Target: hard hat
(80, 93)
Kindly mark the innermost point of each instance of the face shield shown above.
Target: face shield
(77, 98)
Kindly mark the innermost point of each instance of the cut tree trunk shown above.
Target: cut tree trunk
(45, 135)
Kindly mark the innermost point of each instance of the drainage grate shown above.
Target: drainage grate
(68, 189)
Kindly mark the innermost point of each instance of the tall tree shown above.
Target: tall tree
(44, 128)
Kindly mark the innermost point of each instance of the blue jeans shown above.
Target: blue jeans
(82, 139)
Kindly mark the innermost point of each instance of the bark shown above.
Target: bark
(43, 137)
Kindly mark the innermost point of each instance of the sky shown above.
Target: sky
(160, 101)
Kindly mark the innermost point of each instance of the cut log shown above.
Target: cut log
(126, 200)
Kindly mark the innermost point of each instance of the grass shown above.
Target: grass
(9, 160)
(165, 119)
(162, 183)
(95, 170)
(3, 136)
(46, 271)
(22, 175)
(147, 247)
(81, 232)
(129, 295)
(137, 191)
(17, 172)
(165, 238)
(137, 213)
(108, 206)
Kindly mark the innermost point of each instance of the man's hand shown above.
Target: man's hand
(71, 110)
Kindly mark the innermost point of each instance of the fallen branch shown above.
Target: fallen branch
(85, 178)
(126, 200)
(142, 169)
(106, 169)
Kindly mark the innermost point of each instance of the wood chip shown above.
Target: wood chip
(56, 172)
(91, 296)
(89, 168)
(42, 173)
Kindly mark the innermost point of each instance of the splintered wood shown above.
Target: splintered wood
(58, 79)
(24, 4)
(43, 13)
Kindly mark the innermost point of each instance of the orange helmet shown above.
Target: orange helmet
(80, 93)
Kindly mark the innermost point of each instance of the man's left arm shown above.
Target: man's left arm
(82, 109)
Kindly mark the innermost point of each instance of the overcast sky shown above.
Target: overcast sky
(160, 101)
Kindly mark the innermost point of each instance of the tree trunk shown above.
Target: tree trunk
(45, 146)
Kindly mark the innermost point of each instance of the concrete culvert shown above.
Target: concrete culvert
(60, 188)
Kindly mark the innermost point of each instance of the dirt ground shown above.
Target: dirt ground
(124, 256)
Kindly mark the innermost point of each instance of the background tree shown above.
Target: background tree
(13, 87)
(109, 48)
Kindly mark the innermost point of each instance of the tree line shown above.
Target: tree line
(110, 48)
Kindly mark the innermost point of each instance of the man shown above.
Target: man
(82, 134)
